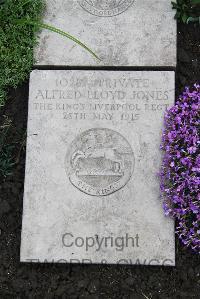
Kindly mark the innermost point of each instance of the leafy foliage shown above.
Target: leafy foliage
(17, 41)
(187, 10)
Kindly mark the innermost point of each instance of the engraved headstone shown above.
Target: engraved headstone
(120, 32)
(91, 186)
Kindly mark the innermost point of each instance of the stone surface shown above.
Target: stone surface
(91, 187)
(121, 33)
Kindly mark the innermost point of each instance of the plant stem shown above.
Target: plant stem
(58, 31)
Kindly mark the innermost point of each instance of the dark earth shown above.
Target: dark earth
(19, 280)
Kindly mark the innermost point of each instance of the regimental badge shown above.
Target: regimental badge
(99, 162)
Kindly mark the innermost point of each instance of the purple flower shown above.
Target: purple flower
(192, 150)
(180, 170)
(185, 161)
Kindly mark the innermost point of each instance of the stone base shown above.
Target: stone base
(91, 187)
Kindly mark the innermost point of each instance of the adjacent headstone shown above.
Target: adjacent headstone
(120, 32)
(91, 186)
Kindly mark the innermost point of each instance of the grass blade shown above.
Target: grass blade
(58, 31)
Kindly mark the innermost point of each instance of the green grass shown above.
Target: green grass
(17, 41)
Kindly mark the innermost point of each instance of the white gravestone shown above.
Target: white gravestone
(91, 186)
(120, 32)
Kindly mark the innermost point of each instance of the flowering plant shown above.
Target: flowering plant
(180, 170)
